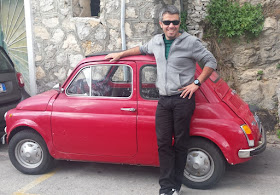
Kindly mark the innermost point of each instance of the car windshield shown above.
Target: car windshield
(5, 65)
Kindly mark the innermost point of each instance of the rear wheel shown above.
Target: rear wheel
(29, 154)
(205, 164)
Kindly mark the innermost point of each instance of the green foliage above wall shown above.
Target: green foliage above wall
(183, 25)
(229, 19)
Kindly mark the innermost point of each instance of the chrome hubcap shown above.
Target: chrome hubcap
(199, 166)
(29, 153)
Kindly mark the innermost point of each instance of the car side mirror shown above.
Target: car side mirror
(58, 88)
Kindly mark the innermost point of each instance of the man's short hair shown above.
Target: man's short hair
(171, 9)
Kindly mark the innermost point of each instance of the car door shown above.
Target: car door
(96, 114)
(147, 102)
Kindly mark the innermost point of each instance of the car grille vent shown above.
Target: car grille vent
(235, 101)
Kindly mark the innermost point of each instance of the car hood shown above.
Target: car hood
(37, 102)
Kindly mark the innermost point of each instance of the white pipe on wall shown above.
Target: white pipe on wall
(125, 69)
(30, 49)
(123, 24)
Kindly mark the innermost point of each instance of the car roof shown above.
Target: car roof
(100, 56)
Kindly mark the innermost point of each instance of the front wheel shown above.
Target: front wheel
(29, 154)
(205, 164)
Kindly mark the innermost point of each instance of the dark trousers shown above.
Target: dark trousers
(173, 118)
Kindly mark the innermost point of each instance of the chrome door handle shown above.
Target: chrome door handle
(128, 109)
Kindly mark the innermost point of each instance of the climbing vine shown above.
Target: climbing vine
(183, 25)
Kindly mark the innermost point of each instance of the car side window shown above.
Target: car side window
(105, 80)
(80, 85)
(148, 77)
(122, 74)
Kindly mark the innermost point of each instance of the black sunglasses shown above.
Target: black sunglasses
(168, 22)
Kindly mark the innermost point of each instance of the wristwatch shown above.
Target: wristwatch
(197, 82)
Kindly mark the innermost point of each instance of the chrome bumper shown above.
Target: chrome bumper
(3, 138)
(246, 153)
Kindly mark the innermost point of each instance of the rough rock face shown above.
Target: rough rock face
(253, 68)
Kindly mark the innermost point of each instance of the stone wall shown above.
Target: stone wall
(261, 55)
(81, 8)
(248, 60)
(250, 67)
(62, 40)
(196, 14)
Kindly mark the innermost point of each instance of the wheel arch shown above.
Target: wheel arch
(219, 141)
(210, 141)
(44, 137)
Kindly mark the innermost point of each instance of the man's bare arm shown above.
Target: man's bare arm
(190, 89)
(130, 52)
(206, 72)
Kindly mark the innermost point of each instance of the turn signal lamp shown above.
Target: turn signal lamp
(248, 133)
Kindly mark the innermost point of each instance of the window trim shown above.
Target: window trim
(99, 97)
(140, 82)
(72, 80)
(218, 77)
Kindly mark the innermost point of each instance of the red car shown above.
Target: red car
(105, 112)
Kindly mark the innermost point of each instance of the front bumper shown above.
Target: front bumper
(3, 139)
(246, 153)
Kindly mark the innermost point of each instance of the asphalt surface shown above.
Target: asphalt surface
(261, 175)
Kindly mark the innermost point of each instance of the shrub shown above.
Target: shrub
(278, 133)
(229, 19)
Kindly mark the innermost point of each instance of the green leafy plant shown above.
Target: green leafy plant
(259, 74)
(183, 25)
(278, 66)
(229, 19)
(278, 133)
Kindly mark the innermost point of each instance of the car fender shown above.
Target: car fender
(43, 130)
(228, 145)
(216, 138)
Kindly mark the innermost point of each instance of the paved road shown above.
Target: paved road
(258, 176)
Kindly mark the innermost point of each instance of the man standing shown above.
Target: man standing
(176, 54)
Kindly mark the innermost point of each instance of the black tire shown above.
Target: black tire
(29, 154)
(205, 164)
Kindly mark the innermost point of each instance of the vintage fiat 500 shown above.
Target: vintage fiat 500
(105, 112)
